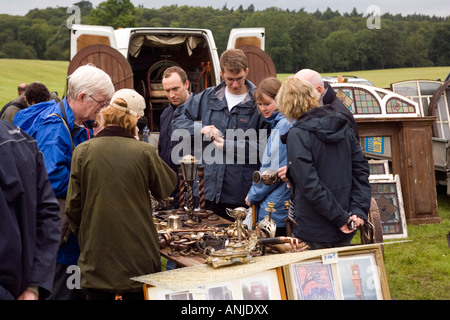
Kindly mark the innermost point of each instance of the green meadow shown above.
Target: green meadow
(13, 72)
(418, 269)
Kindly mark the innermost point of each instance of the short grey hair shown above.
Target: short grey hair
(90, 80)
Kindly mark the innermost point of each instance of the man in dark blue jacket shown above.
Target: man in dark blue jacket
(176, 86)
(29, 222)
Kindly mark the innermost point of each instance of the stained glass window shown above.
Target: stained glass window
(395, 105)
(346, 97)
(387, 194)
(366, 103)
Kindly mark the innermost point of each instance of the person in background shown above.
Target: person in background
(58, 128)
(21, 88)
(29, 223)
(35, 93)
(109, 206)
(328, 97)
(176, 86)
(228, 108)
(327, 171)
(274, 157)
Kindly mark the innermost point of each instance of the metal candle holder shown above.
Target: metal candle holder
(189, 167)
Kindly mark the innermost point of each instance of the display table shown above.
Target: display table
(355, 272)
(191, 260)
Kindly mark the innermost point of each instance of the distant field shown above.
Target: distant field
(383, 78)
(53, 75)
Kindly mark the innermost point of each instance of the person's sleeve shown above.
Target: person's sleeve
(54, 142)
(73, 199)
(162, 179)
(361, 189)
(48, 233)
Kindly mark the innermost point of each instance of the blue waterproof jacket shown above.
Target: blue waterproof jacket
(228, 172)
(53, 139)
(274, 157)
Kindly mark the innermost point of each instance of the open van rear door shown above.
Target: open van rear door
(247, 36)
(252, 42)
(83, 36)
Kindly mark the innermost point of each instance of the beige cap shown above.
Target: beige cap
(135, 102)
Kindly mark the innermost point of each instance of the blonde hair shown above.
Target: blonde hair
(112, 116)
(295, 97)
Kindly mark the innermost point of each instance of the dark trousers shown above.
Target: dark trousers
(325, 245)
(60, 288)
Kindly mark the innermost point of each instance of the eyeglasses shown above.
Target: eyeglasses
(232, 80)
(101, 104)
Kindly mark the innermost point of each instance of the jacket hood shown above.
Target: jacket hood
(328, 128)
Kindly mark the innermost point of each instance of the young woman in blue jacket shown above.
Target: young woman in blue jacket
(274, 157)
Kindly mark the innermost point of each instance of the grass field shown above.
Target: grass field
(13, 72)
(383, 78)
(416, 270)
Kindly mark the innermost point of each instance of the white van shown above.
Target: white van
(137, 57)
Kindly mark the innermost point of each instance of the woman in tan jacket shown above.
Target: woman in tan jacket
(108, 202)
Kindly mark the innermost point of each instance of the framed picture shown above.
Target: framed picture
(266, 285)
(359, 278)
(355, 274)
(388, 195)
(378, 168)
(312, 281)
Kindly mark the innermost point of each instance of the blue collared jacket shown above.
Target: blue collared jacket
(274, 158)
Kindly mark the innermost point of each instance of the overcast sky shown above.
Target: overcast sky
(428, 7)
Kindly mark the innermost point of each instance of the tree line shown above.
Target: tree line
(326, 41)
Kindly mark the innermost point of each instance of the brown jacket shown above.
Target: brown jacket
(109, 209)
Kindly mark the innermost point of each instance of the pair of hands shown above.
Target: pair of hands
(215, 135)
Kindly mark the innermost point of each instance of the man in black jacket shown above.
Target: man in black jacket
(176, 86)
(30, 225)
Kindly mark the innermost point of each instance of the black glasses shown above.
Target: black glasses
(101, 104)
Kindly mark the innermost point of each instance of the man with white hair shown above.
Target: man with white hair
(58, 128)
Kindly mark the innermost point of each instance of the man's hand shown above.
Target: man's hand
(282, 174)
(28, 295)
(215, 135)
